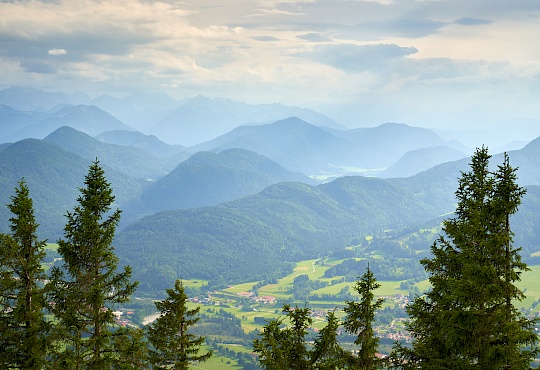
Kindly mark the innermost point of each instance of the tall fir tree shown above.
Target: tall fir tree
(174, 347)
(272, 347)
(298, 352)
(23, 328)
(285, 348)
(359, 320)
(87, 287)
(327, 353)
(468, 320)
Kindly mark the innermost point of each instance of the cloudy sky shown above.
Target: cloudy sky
(362, 62)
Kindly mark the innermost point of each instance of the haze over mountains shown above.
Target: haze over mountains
(263, 186)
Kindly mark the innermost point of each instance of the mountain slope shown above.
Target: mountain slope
(383, 145)
(53, 176)
(255, 237)
(208, 179)
(293, 143)
(300, 146)
(419, 160)
(131, 161)
(12, 120)
(149, 143)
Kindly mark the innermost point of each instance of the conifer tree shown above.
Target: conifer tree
(22, 325)
(327, 353)
(298, 352)
(131, 348)
(174, 347)
(86, 288)
(272, 346)
(359, 320)
(285, 348)
(468, 320)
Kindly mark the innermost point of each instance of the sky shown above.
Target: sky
(430, 63)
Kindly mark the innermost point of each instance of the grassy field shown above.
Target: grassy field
(51, 246)
(530, 283)
(216, 362)
(282, 290)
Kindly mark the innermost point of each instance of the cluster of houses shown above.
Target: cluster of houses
(122, 316)
(267, 299)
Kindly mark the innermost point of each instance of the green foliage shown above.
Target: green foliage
(131, 348)
(327, 353)
(468, 320)
(285, 348)
(359, 321)
(87, 286)
(173, 345)
(23, 327)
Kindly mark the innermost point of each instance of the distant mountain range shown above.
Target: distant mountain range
(300, 146)
(239, 205)
(201, 119)
(85, 118)
(186, 122)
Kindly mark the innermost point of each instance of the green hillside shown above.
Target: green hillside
(53, 176)
(208, 178)
(258, 236)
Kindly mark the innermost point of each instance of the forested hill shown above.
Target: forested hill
(255, 237)
(208, 178)
(53, 176)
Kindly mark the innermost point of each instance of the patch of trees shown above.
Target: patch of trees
(287, 347)
(388, 269)
(79, 330)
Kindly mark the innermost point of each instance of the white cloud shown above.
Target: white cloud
(57, 52)
(316, 51)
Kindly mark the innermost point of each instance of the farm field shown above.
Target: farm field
(252, 314)
(239, 301)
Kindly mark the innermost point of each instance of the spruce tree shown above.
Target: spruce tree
(359, 321)
(131, 348)
(22, 324)
(327, 353)
(272, 347)
(298, 352)
(174, 347)
(285, 348)
(468, 320)
(85, 289)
